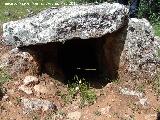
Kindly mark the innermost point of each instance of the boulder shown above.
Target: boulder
(45, 89)
(30, 80)
(74, 115)
(20, 63)
(25, 89)
(140, 56)
(34, 104)
(68, 22)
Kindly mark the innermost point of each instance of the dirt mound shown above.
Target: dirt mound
(115, 101)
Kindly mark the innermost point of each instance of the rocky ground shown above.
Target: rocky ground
(40, 98)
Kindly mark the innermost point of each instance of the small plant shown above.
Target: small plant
(87, 95)
(133, 106)
(115, 114)
(97, 113)
(116, 81)
(157, 29)
(50, 116)
(4, 77)
(132, 117)
(158, 109)
(82, 88)
(156, 85)
(18, 101)
(140, 88)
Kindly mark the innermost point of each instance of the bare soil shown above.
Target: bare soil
(111, 104)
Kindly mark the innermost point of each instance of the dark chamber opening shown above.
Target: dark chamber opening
(79, 57)
(95, 59)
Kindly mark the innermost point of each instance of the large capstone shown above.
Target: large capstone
(68, 22)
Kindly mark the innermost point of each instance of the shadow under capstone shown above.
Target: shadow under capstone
(96, 59)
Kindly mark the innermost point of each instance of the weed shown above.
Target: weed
(35, 115)
(156, 27)
(133, 106)
(18, 100)
(36, 118)
(51, 116)
(156, 85)
(61, 113)
(132, 117)
(82, 88)
(116, 115)
(116, 81)
(4, 77)
(97, 113)
(87, 95)
(140, 88)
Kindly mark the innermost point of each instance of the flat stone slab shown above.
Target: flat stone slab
(65, 23)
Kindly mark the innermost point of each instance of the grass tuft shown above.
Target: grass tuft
(4, 77)
(79, 88)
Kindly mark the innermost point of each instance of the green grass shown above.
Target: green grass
(157, 28)
(156, 85)
(81, 88)
(4, 77)
(18, 11)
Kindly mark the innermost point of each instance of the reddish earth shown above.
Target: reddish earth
(111, 104)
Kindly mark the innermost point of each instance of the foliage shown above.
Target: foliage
(97, 113)
(81, 88)
(156, 85)
(150, 9)
(4, 77)
(18, 10)
(93, 1)
(157, 28)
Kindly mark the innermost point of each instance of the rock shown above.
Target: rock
(25, 89)
(126, 91)
(34, 104)
(30, 80)
(74, 115)
(20, 63)
(6, 13)
(5, 97)
(45, 89)
(139, 58)
(143, 101)
(65, 23)
(104, 110)
(151, 117)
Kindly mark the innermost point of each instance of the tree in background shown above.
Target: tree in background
(149, 9)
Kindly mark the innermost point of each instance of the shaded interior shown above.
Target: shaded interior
(95, 59)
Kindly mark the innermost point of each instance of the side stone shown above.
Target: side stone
(20, 63)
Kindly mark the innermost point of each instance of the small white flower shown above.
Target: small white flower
(77, 88)
(80, 82)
